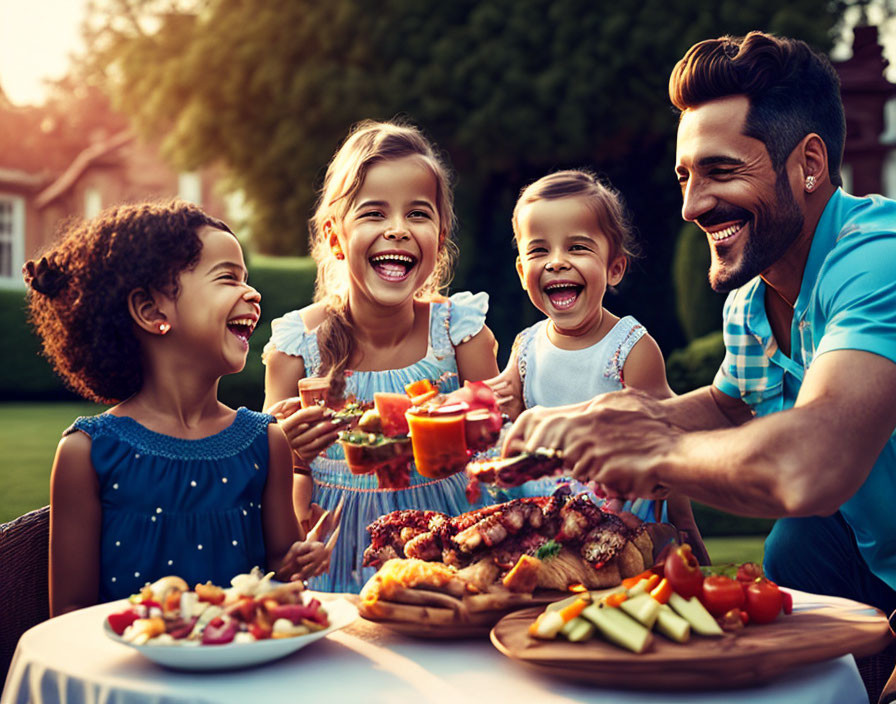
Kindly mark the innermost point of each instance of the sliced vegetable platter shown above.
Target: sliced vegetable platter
(819, 628)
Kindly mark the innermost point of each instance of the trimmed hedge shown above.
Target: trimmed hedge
(696, 365)
(285, 284)
(24, 374)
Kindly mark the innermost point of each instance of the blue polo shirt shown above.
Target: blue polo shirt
(847, 301)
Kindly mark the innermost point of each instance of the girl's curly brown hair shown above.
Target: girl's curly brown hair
(78, 298)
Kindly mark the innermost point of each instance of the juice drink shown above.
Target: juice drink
(439, 442)
(313, 390)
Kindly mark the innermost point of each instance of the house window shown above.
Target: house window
(189, 187)
(12, 240)
(93, 202)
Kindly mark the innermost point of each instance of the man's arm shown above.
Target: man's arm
(803, 461)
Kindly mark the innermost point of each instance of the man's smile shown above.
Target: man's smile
(723, 233)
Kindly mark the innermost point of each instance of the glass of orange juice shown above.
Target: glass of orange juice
(439, 442)
(313, 390)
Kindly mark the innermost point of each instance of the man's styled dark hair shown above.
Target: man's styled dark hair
(793, 91)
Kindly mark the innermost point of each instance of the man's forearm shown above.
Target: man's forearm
(705, 409)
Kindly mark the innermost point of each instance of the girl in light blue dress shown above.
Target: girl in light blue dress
(574, 242)
(381, 239)
(146, 307)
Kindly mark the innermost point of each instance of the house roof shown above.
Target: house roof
(82, 162)
(16, 177)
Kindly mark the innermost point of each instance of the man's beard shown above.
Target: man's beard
(774, 228)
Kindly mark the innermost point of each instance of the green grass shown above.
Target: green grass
(29, 433)
(739, 548)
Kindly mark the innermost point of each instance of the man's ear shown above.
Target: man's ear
(616, 270)
(519, 272)
(146, 312)
(812, 156)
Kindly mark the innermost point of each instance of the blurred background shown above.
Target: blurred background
(238, 105)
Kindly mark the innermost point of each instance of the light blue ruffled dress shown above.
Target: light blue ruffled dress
(171, 506)
(451, 322)
(555, 377)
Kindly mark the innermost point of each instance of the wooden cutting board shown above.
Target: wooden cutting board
(439, 622)
(752, 655)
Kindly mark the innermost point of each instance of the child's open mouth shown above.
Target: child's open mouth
(393, 267)
(242, 328)
(563, 294)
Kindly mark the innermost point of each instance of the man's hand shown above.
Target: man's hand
(616, 440)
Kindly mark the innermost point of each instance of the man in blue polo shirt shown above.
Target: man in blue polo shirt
(799, 422)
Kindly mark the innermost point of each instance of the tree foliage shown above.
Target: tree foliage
(509, 89)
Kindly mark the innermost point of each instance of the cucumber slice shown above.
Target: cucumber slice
(618, 628)
(671, 625)
(577, 630)
(643, 608)
(695, 614)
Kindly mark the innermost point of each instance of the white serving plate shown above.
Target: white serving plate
(236, 655)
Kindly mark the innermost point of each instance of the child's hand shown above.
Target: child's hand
(306, 559)
(311, 557)
(504, 388)
(309, 430)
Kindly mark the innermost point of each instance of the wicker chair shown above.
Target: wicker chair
(24, 596)
(875, 671)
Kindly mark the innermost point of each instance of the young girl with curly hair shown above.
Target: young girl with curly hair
(381, 236)
(147, 307)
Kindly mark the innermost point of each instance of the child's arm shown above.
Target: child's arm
(681, 515)
(477, 357)
(645, 369)
(289, 554)
(508, 388)
(308, 430)
(75, 526)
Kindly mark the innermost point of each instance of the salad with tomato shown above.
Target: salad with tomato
(253, 608)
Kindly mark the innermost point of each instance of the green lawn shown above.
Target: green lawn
(29, 433)
(740, 548)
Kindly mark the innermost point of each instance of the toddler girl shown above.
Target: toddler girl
(574, 241)
(381, 239)
(146, 307)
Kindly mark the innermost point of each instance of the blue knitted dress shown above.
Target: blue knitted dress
(170, 506)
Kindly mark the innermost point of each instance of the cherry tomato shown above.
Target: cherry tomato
(764, 601)
(683, 571)
(722, 594)
(731, 620)
(749, 572)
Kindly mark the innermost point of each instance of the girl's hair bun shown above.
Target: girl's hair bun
(44, 278)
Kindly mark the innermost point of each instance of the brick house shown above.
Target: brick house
(115, 169)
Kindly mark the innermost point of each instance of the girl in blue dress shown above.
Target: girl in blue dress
(381, 239)
(146, 307)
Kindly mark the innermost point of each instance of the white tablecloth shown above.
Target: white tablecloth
(69, 660)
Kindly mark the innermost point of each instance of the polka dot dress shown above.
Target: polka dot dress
(191, 508)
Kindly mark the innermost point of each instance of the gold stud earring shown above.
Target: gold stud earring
(810, 182)
(164, 328)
